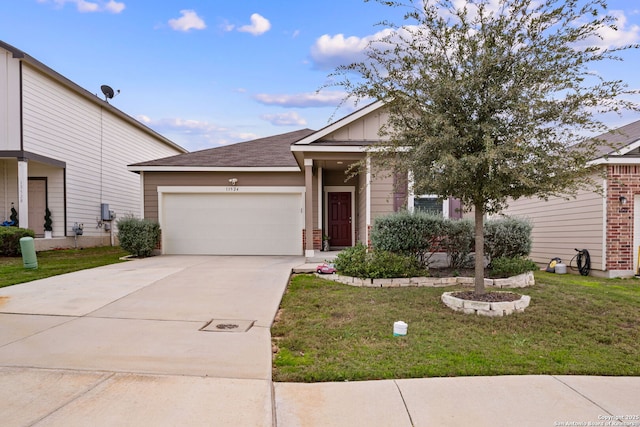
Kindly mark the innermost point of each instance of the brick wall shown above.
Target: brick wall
(622, 181)
(317, 239)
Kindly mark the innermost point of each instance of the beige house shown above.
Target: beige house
(66, 149)
(607, 225)
(278, 195)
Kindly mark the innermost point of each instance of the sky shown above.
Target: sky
(206, 73)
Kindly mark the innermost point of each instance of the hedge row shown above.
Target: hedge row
(421, 235)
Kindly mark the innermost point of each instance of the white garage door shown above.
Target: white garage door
(232, 223)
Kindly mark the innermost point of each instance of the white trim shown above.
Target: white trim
(227, 189)
(211, 169)
(604, 224)
(342, 189)
(367, 201)
(308, 162)
(615, 161)
(331, 148)
(636, 231)
(23, 194)
(627, 148)
(320, 199)
(141, 194)
(339, 124)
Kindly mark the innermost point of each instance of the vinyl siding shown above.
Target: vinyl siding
(381, 196)
(96, 145)
(561, 225)
(9, 102)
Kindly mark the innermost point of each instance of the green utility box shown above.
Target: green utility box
(28, 249)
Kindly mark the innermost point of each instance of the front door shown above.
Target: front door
(339, 221)
(37, 205)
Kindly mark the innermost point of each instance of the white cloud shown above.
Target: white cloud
(259, 25)
(195, 134)
(188, 21)
(114, 6)
(84, 6)
(328, 52)
(624, 35)
(302, 100)
(285, 119)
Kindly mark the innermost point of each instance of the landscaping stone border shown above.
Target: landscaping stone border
(492, 309)
(519, 281)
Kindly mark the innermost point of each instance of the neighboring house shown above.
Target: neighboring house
(66, 149)
(277, 195)
(607, 224)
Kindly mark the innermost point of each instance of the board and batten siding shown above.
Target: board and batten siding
(95, 144)
(561, 225)
(366, 128)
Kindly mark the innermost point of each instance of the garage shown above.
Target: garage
(233, 221)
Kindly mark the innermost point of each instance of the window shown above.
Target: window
(427, 204)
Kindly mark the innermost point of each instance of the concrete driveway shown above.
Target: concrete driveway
(123, 345)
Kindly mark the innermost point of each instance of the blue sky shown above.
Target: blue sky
(206, 72)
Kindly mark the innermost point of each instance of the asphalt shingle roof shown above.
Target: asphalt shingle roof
(619, 138)
(272, 151)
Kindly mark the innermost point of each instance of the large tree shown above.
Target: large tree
(488, 99)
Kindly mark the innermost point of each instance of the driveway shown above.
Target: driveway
(125, 341)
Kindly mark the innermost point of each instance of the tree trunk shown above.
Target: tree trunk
(479, 258)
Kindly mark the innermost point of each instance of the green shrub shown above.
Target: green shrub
(10, 240)
(352, 261)
(507, 267)
(414, 234)
(356, 262)
(458, 241)
(139, 237)
(507, 237)
(383, 265)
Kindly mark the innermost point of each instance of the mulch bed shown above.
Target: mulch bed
(487, 297)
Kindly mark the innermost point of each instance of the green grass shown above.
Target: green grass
(575, 325)
(52, 263)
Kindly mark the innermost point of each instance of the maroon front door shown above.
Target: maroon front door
(339, 221)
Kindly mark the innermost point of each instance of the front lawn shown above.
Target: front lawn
(575, 325)
(52, 263)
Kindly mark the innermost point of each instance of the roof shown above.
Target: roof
(270, 152)
(22, 56)
(620, 138)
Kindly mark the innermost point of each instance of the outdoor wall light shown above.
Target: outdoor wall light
(233, 181)
(623, 200)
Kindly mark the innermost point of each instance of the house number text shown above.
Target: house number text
(232, 189)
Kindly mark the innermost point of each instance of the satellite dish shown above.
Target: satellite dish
(108, 92)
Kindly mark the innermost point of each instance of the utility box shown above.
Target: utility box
(28, 249)
(105, 214)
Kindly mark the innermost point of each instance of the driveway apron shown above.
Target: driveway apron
(135, 329)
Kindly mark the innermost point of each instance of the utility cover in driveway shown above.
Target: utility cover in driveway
(232, 223)
(222, 325)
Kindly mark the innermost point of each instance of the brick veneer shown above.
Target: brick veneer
(317, 239)
(622, 180)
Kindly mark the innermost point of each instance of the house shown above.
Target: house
(277, 195)
(66, 149)
(607, 224)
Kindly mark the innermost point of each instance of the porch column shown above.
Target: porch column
(308, 207)
(23, 193)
